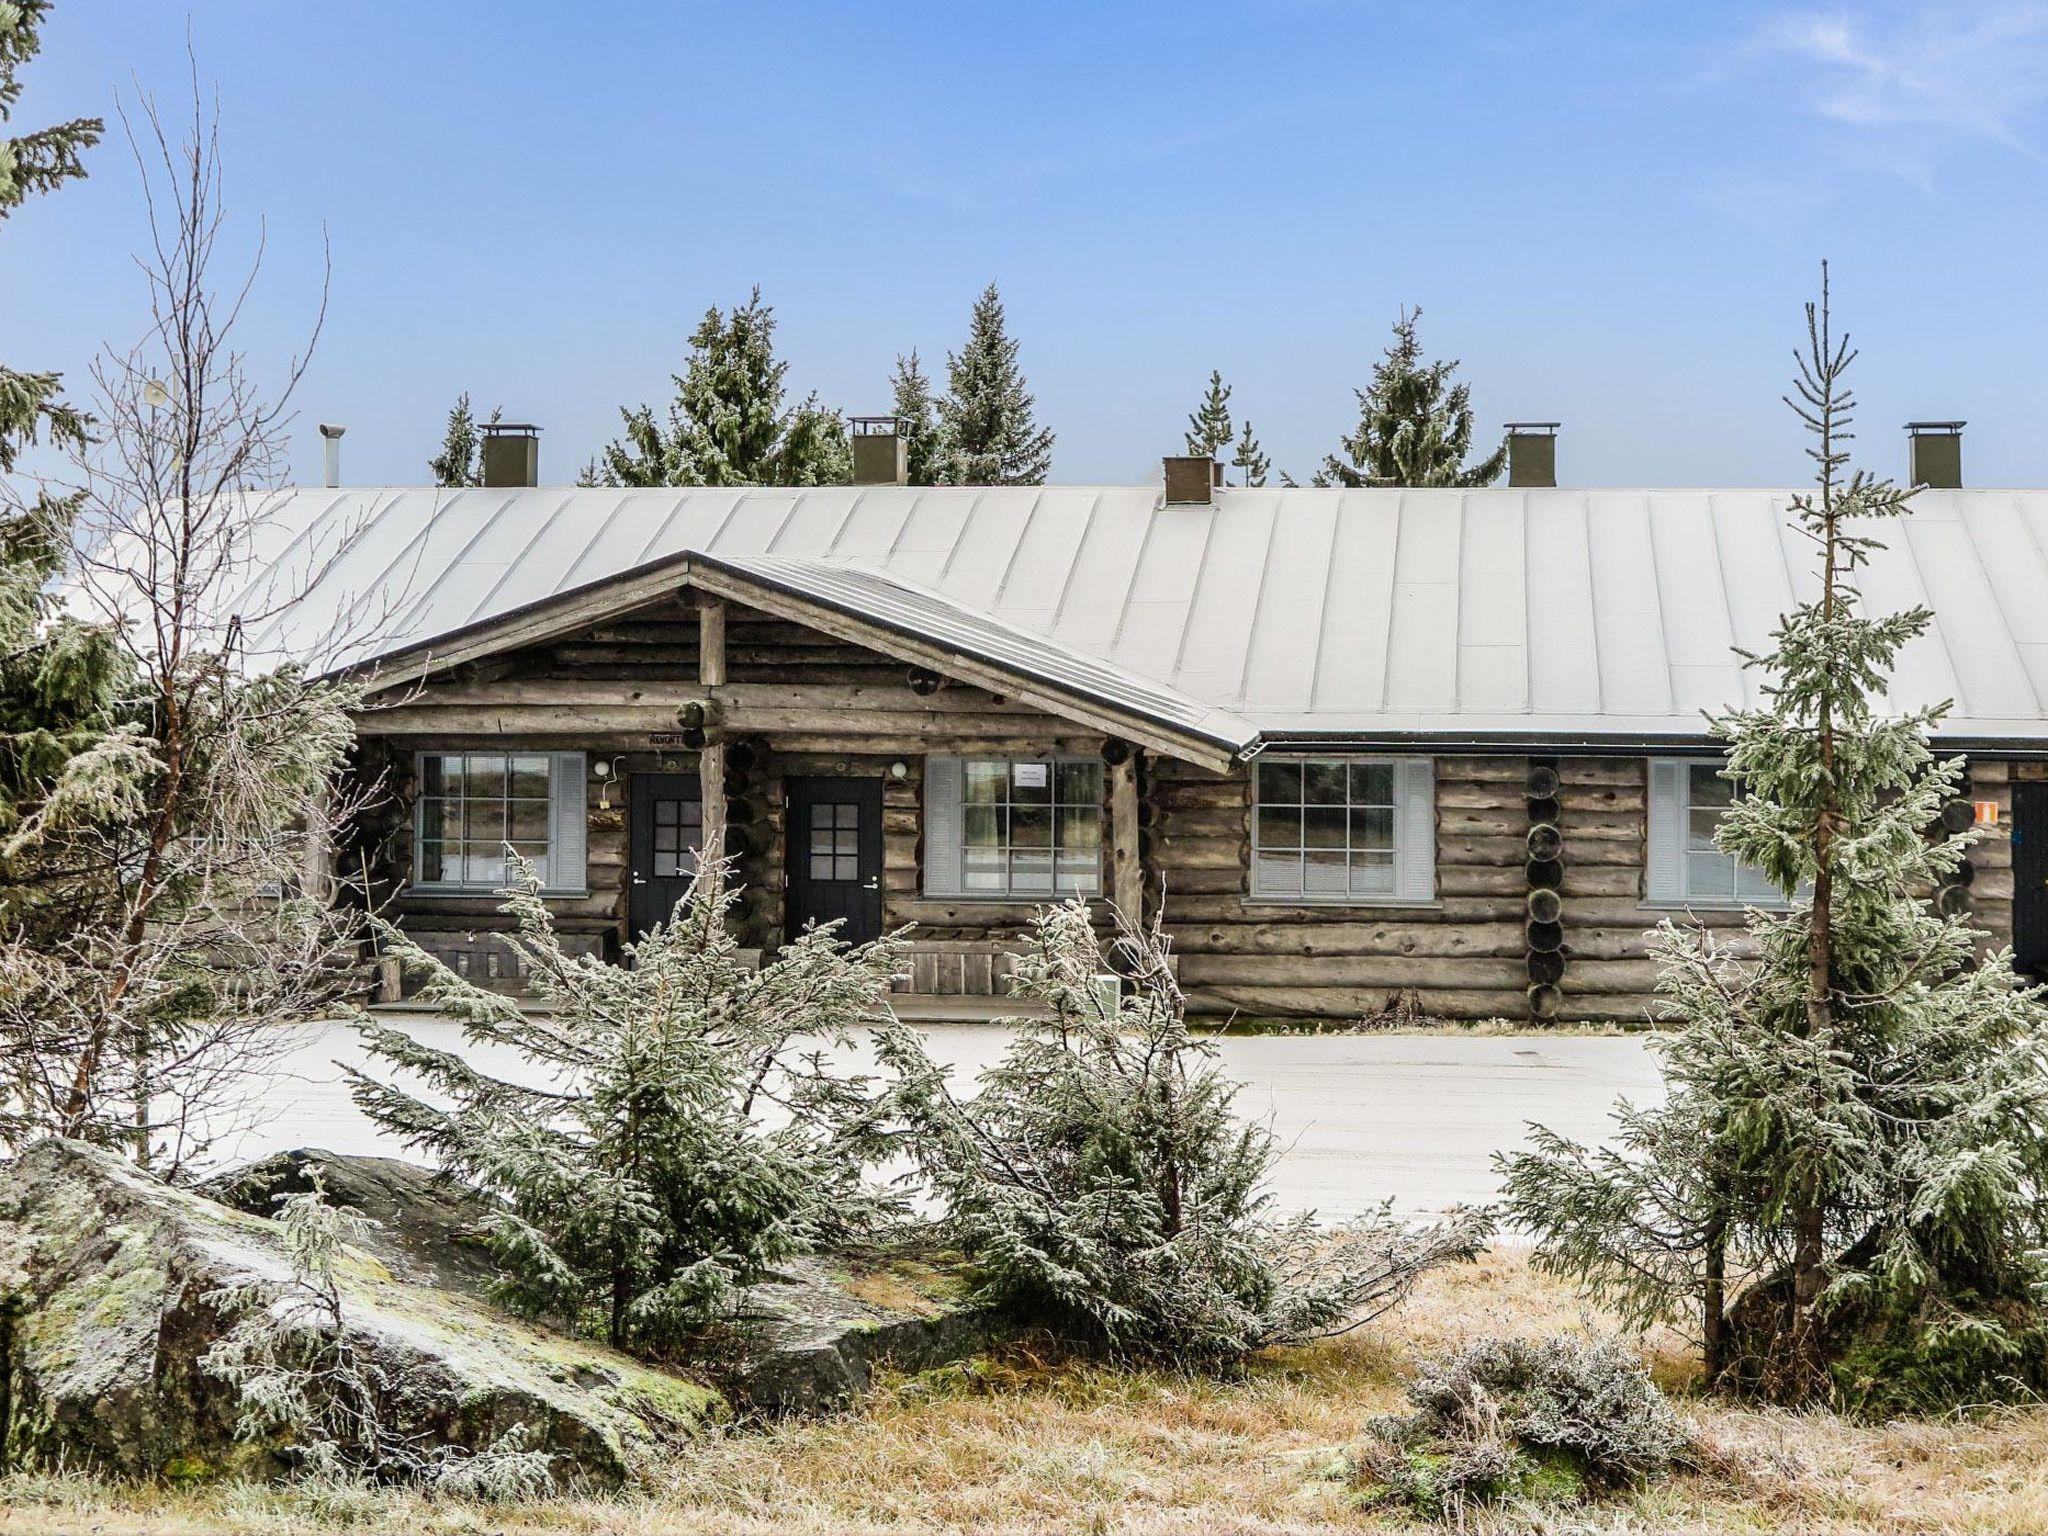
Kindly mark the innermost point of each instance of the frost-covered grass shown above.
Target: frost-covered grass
(1037, 1445)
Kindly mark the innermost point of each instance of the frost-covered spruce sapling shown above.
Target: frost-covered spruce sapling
(688, 1132)
(1102, 1183)
(1521, 1421)
(1844, 1191)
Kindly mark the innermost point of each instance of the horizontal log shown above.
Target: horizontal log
(1201, 853)
(1587, 977)
(1353, 1003)
(1185, 909)
(1601, 772)
(733, 698)
(1322, 940)
(1354, 970)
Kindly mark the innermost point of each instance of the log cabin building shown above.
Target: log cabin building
(1367, 749)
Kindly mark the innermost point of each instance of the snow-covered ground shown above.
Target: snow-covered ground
(1360, 1117)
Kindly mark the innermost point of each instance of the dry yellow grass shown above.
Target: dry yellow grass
(1037, 1446)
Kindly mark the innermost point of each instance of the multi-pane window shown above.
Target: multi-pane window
(1326, 828)
(835, 841)
(1030, 826)
(678, 835)
(1709, 875)
(472, 805)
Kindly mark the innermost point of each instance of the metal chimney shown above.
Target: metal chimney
(511, 453)
(330, 453)
(1532, 453)
(1934, 451)
(881, 453)
(1191, 480)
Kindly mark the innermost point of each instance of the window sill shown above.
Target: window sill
(1002, 899)
(1399, 903)
(548, 893)
(1779, 905)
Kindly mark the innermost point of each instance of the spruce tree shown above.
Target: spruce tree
(1844, 1191)
(727, 424)
(461, 459)
(1414, 424)
(916, 413)
(57, 677)
(1250, 460)
(1209, 428)
(1102, 1179)
(690, 1134)
(987, 432)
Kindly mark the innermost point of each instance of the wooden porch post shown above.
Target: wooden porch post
(1127, 875)
(711, 756)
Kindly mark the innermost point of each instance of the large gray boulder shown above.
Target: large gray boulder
(813, 1335)
(105, 1279)
(809, 1338)
(428, 1227)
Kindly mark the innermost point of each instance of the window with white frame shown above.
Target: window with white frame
(474, 806)
(1688, 798)
(1003, 827)
(1344, 829)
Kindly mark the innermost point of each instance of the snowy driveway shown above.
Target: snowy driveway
(1360, 1117)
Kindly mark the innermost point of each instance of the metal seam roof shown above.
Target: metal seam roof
(1585, 613)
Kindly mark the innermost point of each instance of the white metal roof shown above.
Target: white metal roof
(1368, 613)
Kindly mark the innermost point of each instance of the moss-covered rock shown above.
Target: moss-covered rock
(812, 1336)
(106, 1277)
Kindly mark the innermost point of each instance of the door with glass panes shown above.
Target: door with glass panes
(834, 835)
(665, 832)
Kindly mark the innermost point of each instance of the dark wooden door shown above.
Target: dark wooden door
(2030, 877)
(835, 856)
(665, 831)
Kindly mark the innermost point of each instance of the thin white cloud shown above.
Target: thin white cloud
(1976, 70)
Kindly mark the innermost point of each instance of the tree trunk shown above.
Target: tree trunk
(1714, 1298)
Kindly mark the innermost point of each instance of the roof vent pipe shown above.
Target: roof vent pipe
(1191, 479)
(1935, 454)
(1532, 453)
(881, 452)
(330, 454)
(511, 453)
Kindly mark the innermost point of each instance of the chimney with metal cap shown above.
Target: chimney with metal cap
(881, 453)
(1532, 453)
(511, 453)
(1191, 479)
(330, 453)
(1935, 454)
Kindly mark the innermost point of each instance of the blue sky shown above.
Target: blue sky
(1611, 212)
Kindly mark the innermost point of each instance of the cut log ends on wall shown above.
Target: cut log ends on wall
(1543, 934)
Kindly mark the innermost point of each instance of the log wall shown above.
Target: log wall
(796, 703)
(800, 703)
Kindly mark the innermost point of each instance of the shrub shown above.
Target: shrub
(1102, 1182)
(1507, 1420)
(686, 1132)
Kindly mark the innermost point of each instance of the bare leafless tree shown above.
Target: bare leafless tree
(186, 918)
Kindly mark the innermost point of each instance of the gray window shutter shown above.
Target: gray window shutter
(1415, 839)
(944, 828)
(1664, 869)
(567, 856)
